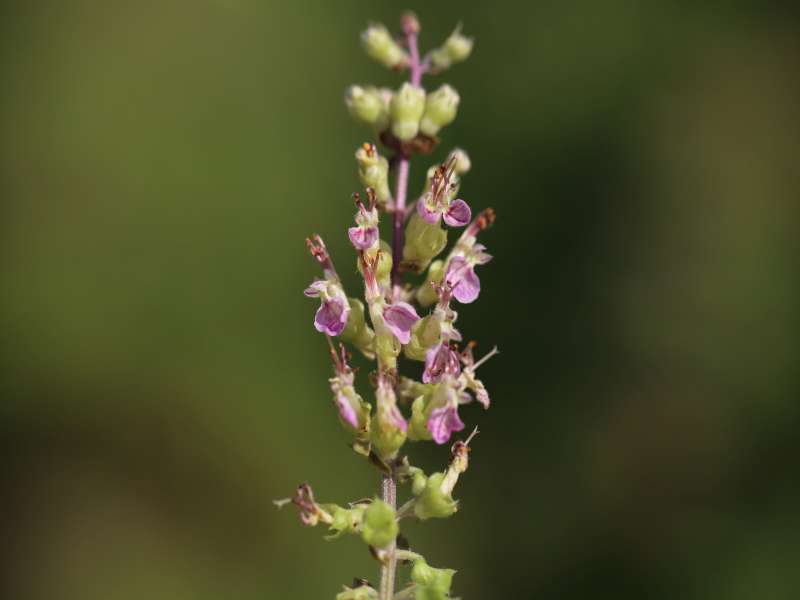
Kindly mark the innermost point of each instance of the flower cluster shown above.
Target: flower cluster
(401, 320)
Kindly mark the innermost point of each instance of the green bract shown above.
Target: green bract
(345, 520)
(362, 592)
(379, 526)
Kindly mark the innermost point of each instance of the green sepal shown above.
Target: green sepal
(362, 592)
(423, 242)
(356, 331)
(379, 525)
(426, 333)
(432, 502)
(418, 424)
(345, 520)
(432, 583)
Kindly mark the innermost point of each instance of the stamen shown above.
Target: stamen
(494, 351)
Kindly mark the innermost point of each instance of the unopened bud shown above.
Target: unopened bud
(455, 49)
(379, 527)
(373, 171)
(440, 110)
(461, 161)
(366, 105)
(406, 109)
(381, 46)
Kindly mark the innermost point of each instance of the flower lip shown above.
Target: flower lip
(400, 318)
(443, 422)
(457, 214)
(440, 360)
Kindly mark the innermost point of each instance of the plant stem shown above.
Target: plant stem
(389, 484)
(388, 570)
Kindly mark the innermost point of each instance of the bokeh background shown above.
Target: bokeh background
(162, 162)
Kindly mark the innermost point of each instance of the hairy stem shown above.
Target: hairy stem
(388, 570)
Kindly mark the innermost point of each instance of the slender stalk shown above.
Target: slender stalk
(389, 483)
(389, 569)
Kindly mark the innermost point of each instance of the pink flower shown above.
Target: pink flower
(456, 213)
(461, 275)
(365, 234)
(331, 316)
(439, 361)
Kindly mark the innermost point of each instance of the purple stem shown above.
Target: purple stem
(402, 168)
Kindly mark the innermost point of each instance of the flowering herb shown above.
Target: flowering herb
(415, 321)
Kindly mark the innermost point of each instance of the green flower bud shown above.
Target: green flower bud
(406, 109)
(440, 110)
(379, 526)
(432, 584)
(433, 502)
(381, 46)
(345, 520)
(373, 171)
(426, 295)
(423, 241)
(366, 105)
(455, 49)
(426, 333)
(362, 592)
(357, 332)
(462, 163)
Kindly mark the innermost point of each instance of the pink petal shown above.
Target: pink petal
(431, 217)
(439, 360)
(315, 289)
(461, 275)
(458, 214)
(331, 316)
(363, 238)
(346, 410)
(443, 422)
(400, 318)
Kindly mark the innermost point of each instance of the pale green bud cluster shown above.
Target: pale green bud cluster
(379, 527)
(440, 110)
(406, 110)
(455, 49)
(381, 46)
(431, 583)
(373, 171)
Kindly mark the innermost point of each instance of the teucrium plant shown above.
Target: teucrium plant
(396, 318)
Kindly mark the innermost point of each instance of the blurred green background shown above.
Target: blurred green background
(161, 165)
